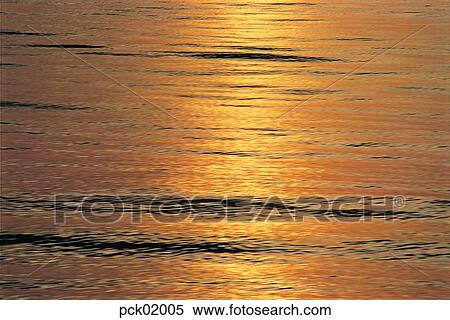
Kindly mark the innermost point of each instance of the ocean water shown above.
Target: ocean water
(251, 115)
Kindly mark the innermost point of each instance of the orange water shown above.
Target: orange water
(257, 98)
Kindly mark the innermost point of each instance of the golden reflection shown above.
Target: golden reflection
(226, 72)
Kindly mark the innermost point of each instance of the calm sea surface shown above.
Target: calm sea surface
(263, 100)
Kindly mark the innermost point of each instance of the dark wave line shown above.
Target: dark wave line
(219, 55)
(121, 54)
(16, 104)
(66, 46)
(26, 33)
(127, 247)
(134, 244)
(256, 56)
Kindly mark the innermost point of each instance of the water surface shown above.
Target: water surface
(254, 99)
